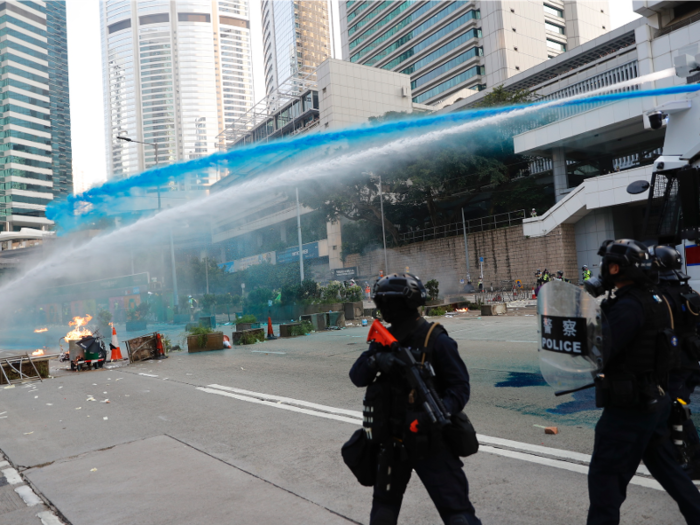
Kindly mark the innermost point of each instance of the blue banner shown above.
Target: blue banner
(310, 251)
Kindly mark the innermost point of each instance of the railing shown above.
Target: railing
(491, 222)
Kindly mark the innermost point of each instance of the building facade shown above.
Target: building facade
(175, 74)
(295, 39)
(36, 145)
(464, 46)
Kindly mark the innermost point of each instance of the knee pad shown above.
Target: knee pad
(458, 520)
(384, 516)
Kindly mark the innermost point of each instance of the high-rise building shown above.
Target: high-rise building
(295, 39)
(36, 164)
(450, 46)
(176, 74)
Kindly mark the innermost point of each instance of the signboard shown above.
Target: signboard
(241, 264)
(345, 274)
(566, 335)
(692, 255)
(481, 259)
(310, 251)
(518, 283)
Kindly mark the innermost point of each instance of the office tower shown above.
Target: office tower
(448, 47)
(36, 164)
(176, 74)
(295, 39)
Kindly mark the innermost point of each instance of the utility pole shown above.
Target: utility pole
(172, 260)
(381, 206)
(466, 246)
(301, 251)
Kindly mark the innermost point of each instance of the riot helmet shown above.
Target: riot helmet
(669, 263)
(631, 256)
(398, 296)
(584, 267)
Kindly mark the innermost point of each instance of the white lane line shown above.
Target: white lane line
(564, 465)
(356, 418)
(12, 476)
(279, 405)
(267, 352)
(147, 375)
(290, 401)
(48, 518)
(27, 494)
(4, 464)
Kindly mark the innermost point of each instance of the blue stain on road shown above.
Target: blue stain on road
(522, 379)
(584, 400)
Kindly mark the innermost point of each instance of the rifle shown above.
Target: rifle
(416, 374)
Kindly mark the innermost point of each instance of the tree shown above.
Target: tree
(498, 96)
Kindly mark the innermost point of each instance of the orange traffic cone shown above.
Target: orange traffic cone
(160, 353)
(534, 295)
(270, 333)
(114, 345)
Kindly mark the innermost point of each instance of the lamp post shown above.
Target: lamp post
(155, 145)
(381, 204)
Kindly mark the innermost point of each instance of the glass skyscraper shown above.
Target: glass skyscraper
(295, 39)
(36, 165)
(461, 47)
(176, 74)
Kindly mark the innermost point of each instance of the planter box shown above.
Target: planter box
(239, 336)
(494, 309)
(136, 326)
(285, 329)
(318, 321)
(353, 310)
(242, 327)
(336, 319)
(215, 341)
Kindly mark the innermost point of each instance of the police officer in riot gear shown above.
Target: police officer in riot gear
(398, 297)
(632, 390)
(586, 272)
(684, 305)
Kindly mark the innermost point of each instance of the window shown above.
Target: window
(154, 19)
(556, 45)
(553, 11)
(193, 17)
(237, 22)
(554, 28)
(118, 26)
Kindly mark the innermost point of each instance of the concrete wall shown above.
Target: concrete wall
(508, 255)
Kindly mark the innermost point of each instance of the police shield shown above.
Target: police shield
(570, 327)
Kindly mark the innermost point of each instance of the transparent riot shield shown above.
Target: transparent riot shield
(570, 326)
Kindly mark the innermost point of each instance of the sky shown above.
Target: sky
(86, 84)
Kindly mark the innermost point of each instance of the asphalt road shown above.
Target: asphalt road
(231, 437)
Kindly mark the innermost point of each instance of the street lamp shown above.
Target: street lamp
(155, 145)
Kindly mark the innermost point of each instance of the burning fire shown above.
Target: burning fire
(38, 352)
(41, 330)
(463, 310)
(78, 332)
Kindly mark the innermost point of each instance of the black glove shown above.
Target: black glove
(385, 361)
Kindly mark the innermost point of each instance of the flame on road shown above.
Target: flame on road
(79, 332)
(41, 330)
(462, 310)
(38, 352)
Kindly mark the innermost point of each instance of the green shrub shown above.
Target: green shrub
(432, 287)
(353, 294)
(201, 332)
(304, 328)
(250, 338)
(248, 318)
(437, 312)
(331, 292)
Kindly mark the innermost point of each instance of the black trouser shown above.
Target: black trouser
(682, 383)
(442, 475)
(623, 437)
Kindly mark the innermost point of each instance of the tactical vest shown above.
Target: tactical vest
(684, 303)
(644, 356)
(387, 408)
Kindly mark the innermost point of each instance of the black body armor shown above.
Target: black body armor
(684, 303)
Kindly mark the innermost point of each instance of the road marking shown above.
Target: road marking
(48, 518)
(290, 401)
(28, 495)
(267, 352)
(529, 451)
(147, 375)
(279, 405)
(564, 465)
(12, 476)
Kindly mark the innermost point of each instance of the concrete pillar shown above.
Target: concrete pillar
(561, 182)
(335, 241)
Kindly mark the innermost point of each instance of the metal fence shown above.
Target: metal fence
(491, 222)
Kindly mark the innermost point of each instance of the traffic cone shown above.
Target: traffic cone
(160, 353)
(270, 333)
(534, 295)
(114, 345)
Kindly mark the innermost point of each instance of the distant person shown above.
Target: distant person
(533, 212)
(586, 272)
(469, 287)
(545, 276)
(481, 286)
